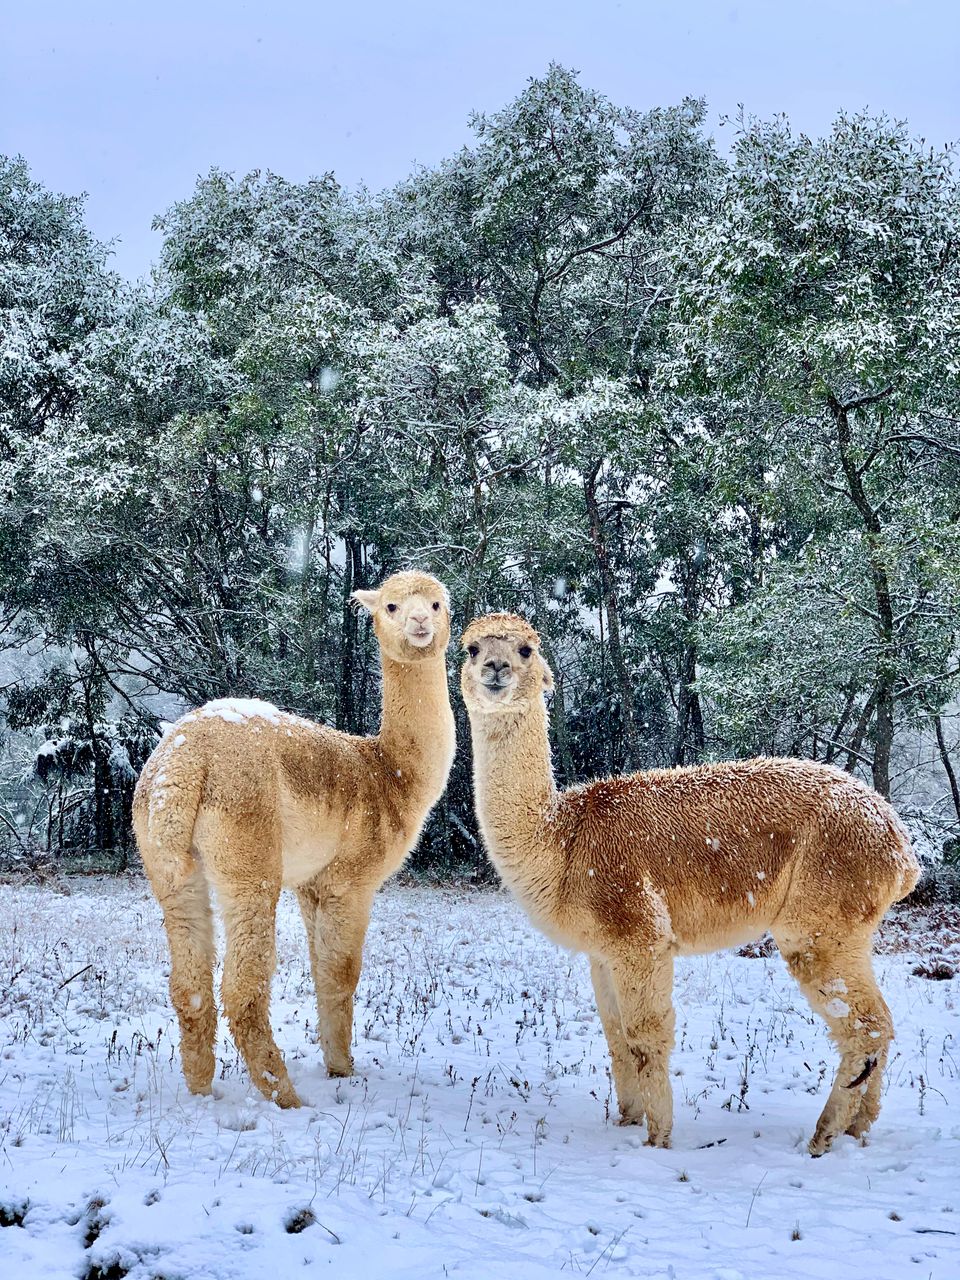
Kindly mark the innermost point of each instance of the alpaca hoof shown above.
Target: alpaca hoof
(286, 1097)
(340, 1070)
(859, 1128)
(655, 1138)
(860, 1134)
(198, 1071)
(819, 1145)
(277, 1088)
(628, 1118)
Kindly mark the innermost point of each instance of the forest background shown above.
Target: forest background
(695, 412)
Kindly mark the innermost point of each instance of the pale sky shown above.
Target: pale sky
(131, 103)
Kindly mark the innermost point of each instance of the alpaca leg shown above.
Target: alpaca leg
(869, 1107)
(189, 925)
(836, 976)
(250, 917)
(308, 896)
(644, 990)
(621, 1059)
(336, 922)
(338, 1064)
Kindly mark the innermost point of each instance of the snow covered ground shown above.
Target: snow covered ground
(479, 1139)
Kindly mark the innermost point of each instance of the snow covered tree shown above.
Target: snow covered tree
(696, 418)
(824, 291)
(55, 292)
(557, 213)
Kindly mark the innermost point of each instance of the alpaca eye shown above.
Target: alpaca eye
(525, 651)
(436, 606)
(473, 650)
(391, 608)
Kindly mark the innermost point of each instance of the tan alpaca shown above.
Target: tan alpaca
(244, 798)
(636, 870)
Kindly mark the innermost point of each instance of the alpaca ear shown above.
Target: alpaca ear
(368, 599)
(547, 677)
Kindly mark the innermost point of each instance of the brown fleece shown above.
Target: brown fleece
(635, 870)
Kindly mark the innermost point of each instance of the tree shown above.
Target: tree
(558, 214)
(696, 419)
(826, 289)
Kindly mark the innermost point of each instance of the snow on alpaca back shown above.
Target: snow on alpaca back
(237, 710)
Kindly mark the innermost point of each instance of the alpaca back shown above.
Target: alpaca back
(719, 850)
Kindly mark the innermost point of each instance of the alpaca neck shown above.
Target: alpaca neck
(416, 737)
(516, 800)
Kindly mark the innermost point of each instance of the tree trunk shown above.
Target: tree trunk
(307, 619)
(883, 737)
(855, 741)
(833, 743)
(103, 834)
(689, 743)
(346, 704)
(611, 609)
(885, 688)
(558, 706)
(947, 764)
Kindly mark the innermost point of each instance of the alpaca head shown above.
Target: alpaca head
(503, 672)
(411, 615)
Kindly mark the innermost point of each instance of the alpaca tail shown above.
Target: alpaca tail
(165, 807)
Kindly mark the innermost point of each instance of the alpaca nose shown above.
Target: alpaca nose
(421, 618)
(496, 667)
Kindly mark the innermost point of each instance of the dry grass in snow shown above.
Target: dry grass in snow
(479, 1139)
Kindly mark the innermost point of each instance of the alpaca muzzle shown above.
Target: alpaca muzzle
(420, 636)
(493, 688)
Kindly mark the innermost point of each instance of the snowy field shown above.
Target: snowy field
(479, 1140)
